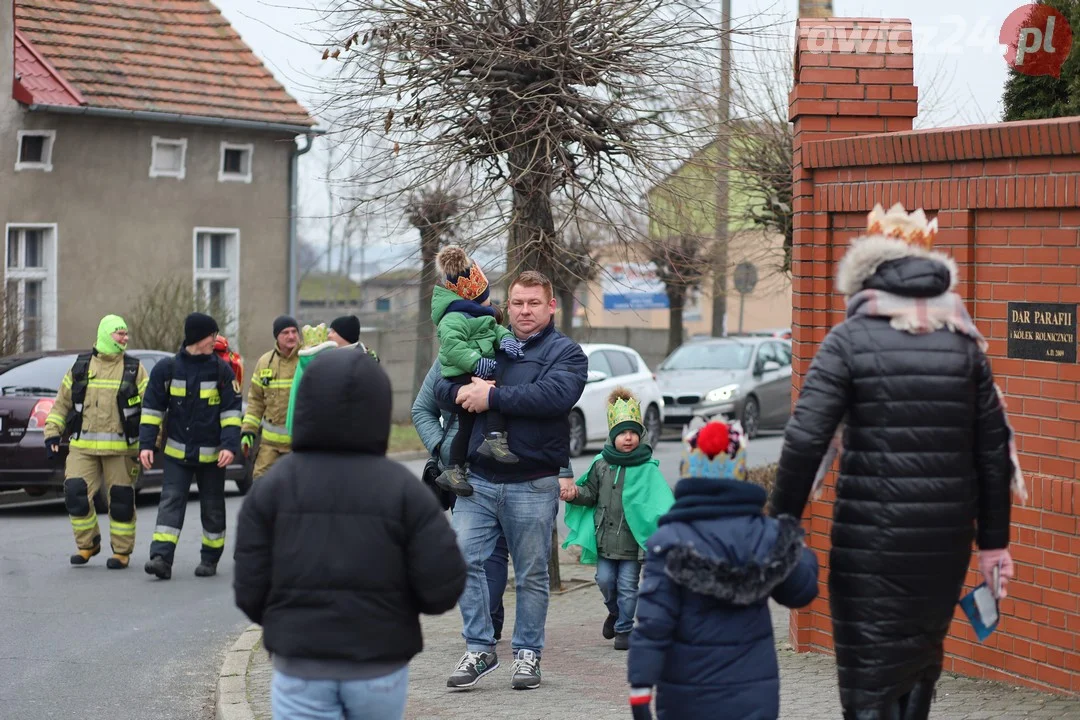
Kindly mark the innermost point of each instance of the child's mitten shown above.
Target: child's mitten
(485, 368)
(512, 347)
(641, 703)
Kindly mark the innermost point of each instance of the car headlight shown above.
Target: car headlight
(722, 393)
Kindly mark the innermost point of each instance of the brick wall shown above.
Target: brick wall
(1007, 199)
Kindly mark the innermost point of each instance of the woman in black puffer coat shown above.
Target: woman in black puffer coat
(925, 469)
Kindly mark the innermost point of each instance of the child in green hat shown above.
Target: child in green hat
(613, 510)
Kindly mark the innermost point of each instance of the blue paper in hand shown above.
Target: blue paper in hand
(981, 607)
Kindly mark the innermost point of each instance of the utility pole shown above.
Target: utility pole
(723, 161)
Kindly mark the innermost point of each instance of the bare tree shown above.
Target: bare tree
(431, 211)
(539, 100)
(679, 262)
(11, 324)
(583, 236)
(156, 317)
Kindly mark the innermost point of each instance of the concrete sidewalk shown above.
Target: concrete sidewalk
(584, 677)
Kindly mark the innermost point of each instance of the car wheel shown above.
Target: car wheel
(578, 439)
(653, 426)
(751, 417)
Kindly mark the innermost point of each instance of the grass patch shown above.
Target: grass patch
(403, 438)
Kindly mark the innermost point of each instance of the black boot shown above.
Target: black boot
(622, 641)
(609, 626)
(206, 569)
(157, 566)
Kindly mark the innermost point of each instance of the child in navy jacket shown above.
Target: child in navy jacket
(704, 636)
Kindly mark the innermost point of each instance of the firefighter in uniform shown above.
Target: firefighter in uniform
(196, 396)
(268, 398)
(98, 405)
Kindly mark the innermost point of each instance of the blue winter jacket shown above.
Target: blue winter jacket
(535, 395)
(199, 400)
(704, 634)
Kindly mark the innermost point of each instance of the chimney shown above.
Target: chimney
(815, 8)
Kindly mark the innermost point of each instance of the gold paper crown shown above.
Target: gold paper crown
(621, 411)
(315, 335)
(911, 228)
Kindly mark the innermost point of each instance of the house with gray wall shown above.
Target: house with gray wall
(136, 147)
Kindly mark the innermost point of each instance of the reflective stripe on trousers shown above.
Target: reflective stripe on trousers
(164, 533)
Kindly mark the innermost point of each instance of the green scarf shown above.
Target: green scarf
(646, 496)
(304, 358)
(105, 343)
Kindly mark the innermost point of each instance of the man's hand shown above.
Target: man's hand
(246, 441)
(567, 489)
(52, 447)
(146, 457)
(225, 458)
(474, 396)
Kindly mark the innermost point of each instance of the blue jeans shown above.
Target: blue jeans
(525, 514)
(618, 581)
(381, 698)
(496, 567)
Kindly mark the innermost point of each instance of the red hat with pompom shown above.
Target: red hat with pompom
(715, 450)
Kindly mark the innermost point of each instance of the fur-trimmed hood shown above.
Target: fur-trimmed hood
(738, 584)
(867, 255)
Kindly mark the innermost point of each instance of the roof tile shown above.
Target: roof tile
(170, 56)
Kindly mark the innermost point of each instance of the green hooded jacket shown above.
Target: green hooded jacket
(463, 339)
(617, 508)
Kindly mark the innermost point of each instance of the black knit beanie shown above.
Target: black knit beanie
(348, 327)
(284, 322)
(198, 327)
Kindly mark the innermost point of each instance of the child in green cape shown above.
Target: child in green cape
(613, 510)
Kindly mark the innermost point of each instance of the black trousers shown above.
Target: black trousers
(913, 705)
(459, 448)
(175, 490)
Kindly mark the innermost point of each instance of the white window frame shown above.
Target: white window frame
(236, 177)
(230, 274)
(46, 162)
(174, 142)
(47, 276)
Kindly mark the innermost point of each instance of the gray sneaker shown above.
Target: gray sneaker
(456, 480)
(496, 447)
(472, 667)
(526, 671)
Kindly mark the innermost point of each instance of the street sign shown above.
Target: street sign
(745, 277)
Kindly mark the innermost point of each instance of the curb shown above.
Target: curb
(231, 701)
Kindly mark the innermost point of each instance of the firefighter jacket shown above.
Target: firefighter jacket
(268, 397)
(198, 400)
(102, 429)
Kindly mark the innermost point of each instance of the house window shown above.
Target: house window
(235, 163)
(29, 320)
(382, 305)
(217, 262)
(168, 157)
(35, 150)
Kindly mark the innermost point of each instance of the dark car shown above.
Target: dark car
(28, 386)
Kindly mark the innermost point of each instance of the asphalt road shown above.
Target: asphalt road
(87, 642)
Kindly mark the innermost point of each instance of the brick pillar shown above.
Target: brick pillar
(853, 76)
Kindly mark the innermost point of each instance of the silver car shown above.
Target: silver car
(748, 378)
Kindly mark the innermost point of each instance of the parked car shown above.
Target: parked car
(782, 333)
(611, 366)
(28, 387)
(748, 378)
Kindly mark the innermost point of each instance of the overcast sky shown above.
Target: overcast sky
(958, 64)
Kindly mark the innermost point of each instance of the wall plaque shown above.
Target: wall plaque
(1042, 331)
